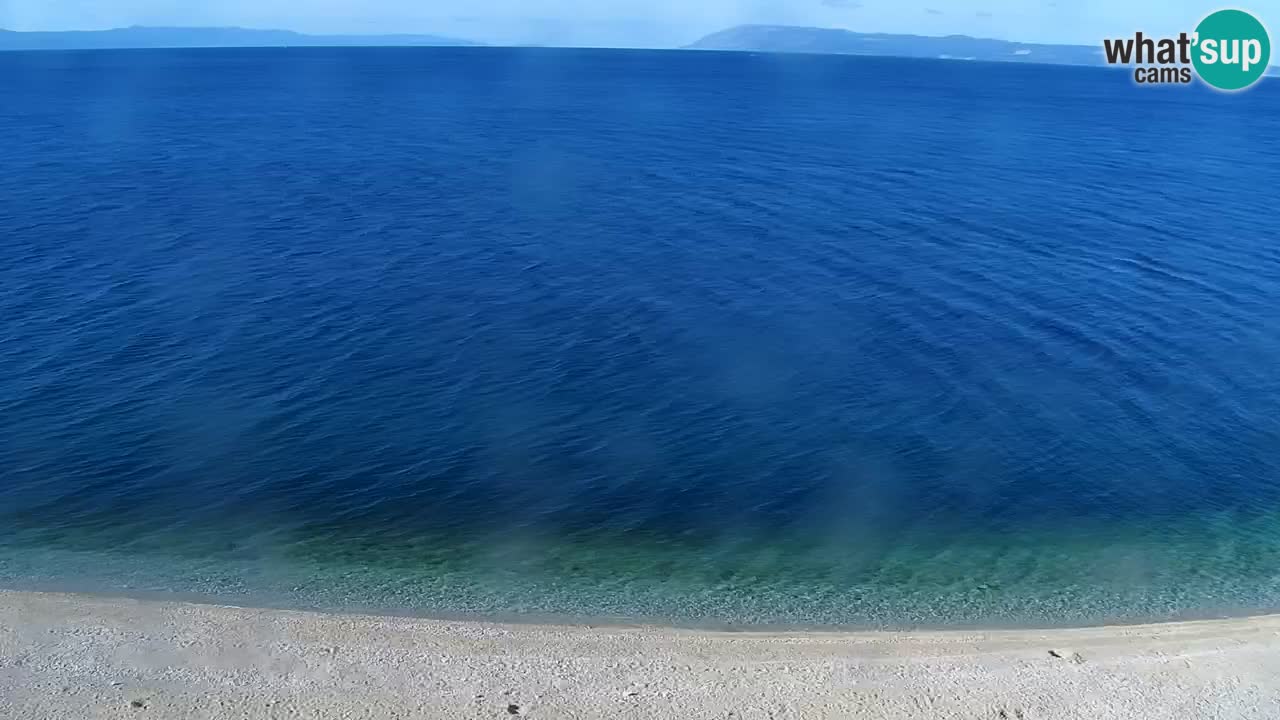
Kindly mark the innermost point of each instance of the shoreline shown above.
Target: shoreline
(67, 655)
(250, 601)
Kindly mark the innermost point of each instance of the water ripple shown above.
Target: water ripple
(641, 334)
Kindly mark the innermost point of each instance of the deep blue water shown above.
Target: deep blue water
(704, 337)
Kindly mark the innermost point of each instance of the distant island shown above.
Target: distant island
(747, 38)
(190, 37)
(787, 39)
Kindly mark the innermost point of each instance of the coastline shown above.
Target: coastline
(67, 655)
(91, 590)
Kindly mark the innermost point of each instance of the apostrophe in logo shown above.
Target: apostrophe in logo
(1232, 51)
(1229, 50)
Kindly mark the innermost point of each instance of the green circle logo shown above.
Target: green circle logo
(1232, 50)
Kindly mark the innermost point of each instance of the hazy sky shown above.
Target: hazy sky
(638, 22)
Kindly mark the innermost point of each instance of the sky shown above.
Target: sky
(638, 23)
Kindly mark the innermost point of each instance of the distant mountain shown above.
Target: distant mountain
(177, 37)
(781, 38)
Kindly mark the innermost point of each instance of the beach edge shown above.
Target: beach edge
(69, 655)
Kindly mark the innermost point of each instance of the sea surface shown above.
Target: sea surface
(708, 338)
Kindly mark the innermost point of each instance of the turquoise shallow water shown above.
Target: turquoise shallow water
(707, 338)
(1224, 565)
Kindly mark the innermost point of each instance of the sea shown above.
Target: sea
(710, 339)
